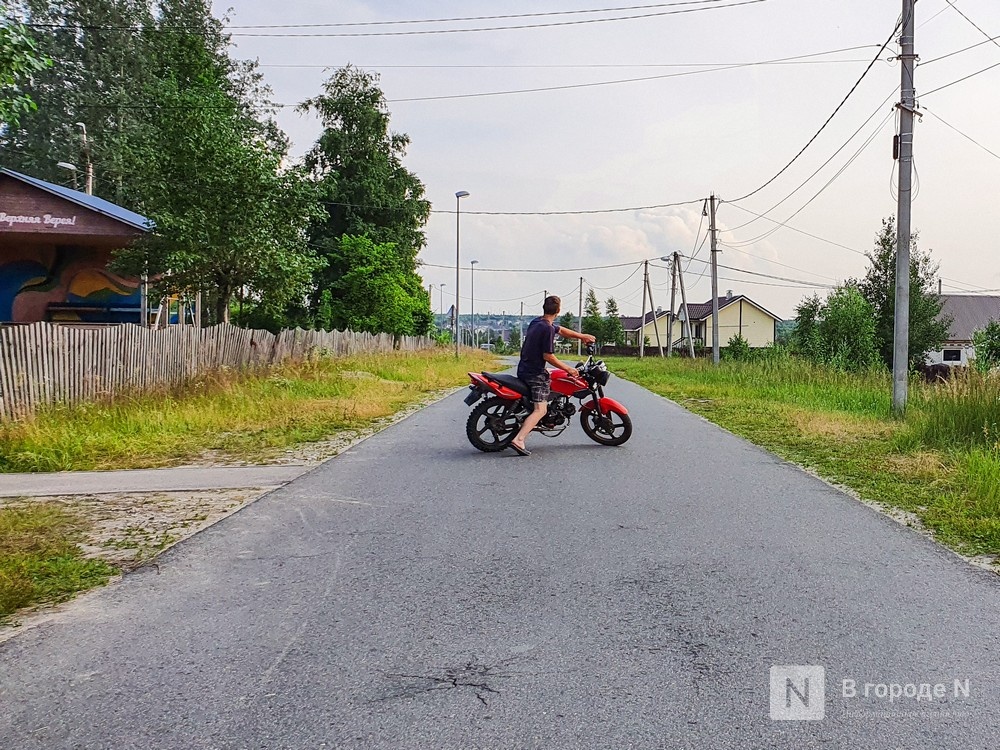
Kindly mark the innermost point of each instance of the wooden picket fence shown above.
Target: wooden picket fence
(49, 363)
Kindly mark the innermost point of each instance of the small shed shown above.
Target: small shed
(55, 248)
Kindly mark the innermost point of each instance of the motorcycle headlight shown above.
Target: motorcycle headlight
(601, 373)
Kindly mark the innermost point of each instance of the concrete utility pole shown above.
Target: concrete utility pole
(673, 301)
(642, 315)
(687, 314)
(458, 253)
(652, 307)
(907, 108)
(579, 322)
(715, 283)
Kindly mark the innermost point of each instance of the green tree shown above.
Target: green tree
(614, 331)
(515, 339)
(378, 293)
(738, 349)
(208, 173)
(358, 165)
(568, 320)
(593, 322)
(805, 336)
(20, 61)
(928, 330)
(987, 343)
(847, 330)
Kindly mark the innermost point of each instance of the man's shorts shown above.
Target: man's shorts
(539, 387)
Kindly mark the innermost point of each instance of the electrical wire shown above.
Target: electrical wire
(823, 165)
(829, 119)
(609, 288)
(964, 135)
(974, 24)
(769, 276)
(534, 270)
(516, 27)
(529, 213)
(960, 80)
(958, 52)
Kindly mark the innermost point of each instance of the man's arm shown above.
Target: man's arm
(569, 333)
(555, 362)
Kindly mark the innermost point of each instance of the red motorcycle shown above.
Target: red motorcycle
(504, 402)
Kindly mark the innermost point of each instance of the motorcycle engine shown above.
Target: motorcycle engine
(560, 410)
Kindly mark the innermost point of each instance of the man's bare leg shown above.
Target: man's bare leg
(529, 423)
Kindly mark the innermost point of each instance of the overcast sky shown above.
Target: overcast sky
(668, 140)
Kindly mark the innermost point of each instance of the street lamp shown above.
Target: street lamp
(472, 306)
(70, 168)
(458, 252)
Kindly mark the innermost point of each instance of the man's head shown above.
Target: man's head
(551, 305)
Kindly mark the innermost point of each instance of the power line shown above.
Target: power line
(829, 119)
(517, 27)
(616, 82)
(960, 80)
(974, 24)
(823, 165)
(534, 270)
(767, 276)
(959, 51)
(530, 213)
(968, 137)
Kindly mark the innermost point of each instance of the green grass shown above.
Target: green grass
(232, 415)
(941, 463)
(40, 561)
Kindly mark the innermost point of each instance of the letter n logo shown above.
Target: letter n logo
(798, 693)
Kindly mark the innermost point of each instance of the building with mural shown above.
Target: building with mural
(55, 248)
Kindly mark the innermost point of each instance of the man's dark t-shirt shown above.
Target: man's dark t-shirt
(539, 339)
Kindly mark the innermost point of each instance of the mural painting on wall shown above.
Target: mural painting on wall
(64, 283)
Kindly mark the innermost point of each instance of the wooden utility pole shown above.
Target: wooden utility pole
(673, 298)
(687, 314)
(907, 108)
(642, 315)
(652, 307)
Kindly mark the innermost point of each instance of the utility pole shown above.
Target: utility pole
(715, 284)
(642, 315)
(652, 307)
(907, 108)
(520, 322)
(579, 322)
(687, 314)
(673, 298)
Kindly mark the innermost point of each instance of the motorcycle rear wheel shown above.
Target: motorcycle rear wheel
(611, 429)
(492, 424)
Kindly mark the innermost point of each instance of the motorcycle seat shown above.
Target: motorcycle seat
(510, 381)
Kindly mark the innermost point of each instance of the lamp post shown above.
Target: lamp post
(458, 253)
(472, 306)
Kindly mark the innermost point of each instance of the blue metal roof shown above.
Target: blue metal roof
(101, 206)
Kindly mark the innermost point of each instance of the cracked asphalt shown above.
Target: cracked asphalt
(414, 593)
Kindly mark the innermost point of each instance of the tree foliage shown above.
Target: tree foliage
(366, 191)
(593, 321)
(838, 331)
(20, 61)
(378, 292)
(614, 331)
(987, 343)
(928, 330)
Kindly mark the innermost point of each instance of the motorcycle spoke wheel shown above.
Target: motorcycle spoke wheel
(492, 425)
(610, 429)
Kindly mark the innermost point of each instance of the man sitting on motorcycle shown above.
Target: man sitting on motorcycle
(536, 350)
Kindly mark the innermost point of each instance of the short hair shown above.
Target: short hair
(551, 305)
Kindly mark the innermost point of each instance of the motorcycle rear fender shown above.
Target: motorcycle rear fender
(488, 386)
(607, 404)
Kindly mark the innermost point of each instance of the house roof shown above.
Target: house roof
(969, 313)
(698, 311)
(92, 202)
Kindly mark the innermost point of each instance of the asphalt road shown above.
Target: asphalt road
(413, 593)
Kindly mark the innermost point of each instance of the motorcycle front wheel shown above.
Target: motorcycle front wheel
(611, 429)
(492, 424)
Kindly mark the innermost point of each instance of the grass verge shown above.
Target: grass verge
(40, 560)
(840, 426)
(231, 415)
